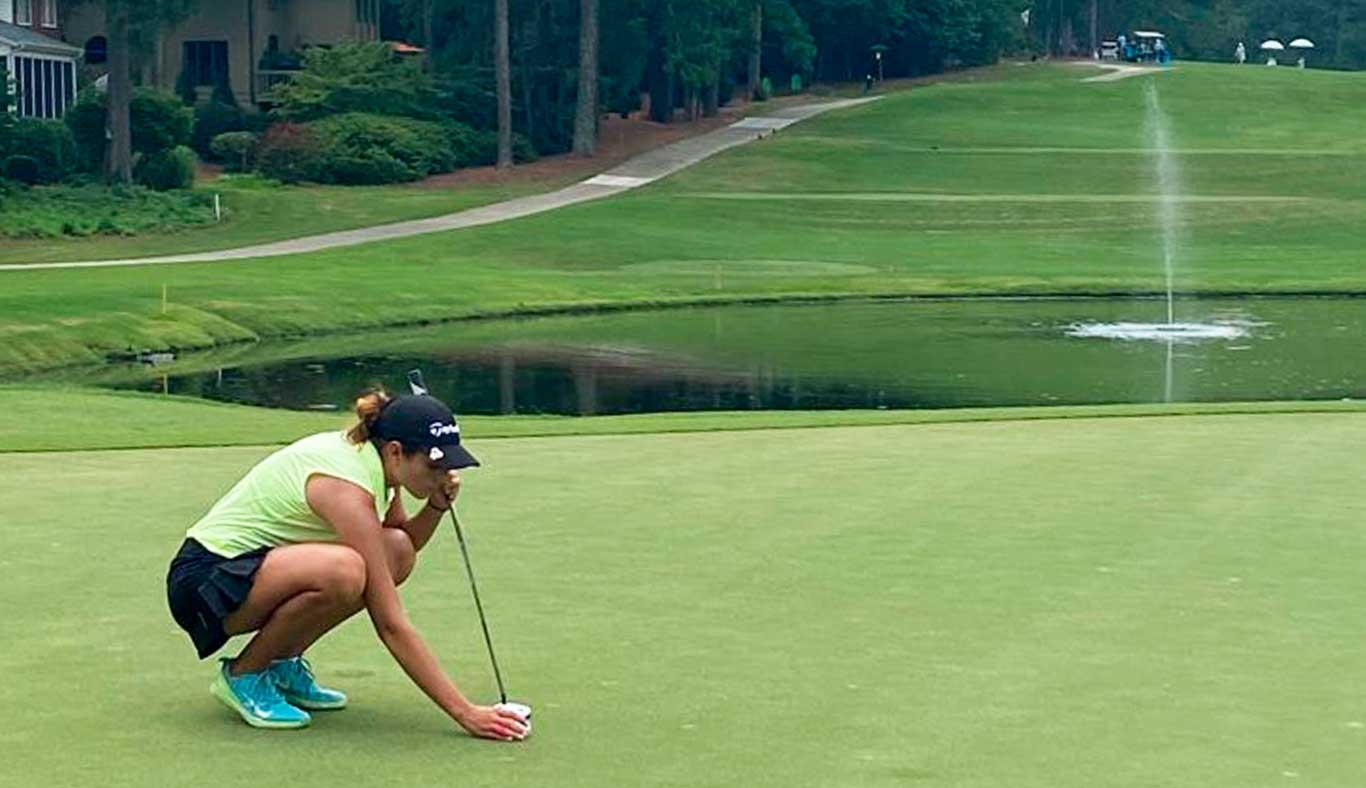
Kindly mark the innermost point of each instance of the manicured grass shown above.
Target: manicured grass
(1118, 602)
(1047, 184)
(257, 211)
(48, 418)
(991, 597)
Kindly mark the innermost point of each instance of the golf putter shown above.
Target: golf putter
(419, 388)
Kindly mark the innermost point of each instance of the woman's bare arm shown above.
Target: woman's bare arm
(351, 511)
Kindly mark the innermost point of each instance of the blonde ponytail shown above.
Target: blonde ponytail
(368, 407)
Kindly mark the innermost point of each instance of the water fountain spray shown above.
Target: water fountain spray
(1168, 187)
(1167, 176)
(1167, 179)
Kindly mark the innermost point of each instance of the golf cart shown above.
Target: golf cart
(1145, 46)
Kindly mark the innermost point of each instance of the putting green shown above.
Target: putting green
(1119, 602)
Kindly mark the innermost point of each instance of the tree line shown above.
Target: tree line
(1207, 29)
(549, 69)
(682, 57)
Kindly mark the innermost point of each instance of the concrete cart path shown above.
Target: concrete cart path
(643, 169)
(1117, 71)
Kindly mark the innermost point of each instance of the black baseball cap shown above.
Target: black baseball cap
(424, 422)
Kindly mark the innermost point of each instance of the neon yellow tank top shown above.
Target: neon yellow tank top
(269, 507)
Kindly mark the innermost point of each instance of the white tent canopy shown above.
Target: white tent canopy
(1272, 45)
(1302, 43)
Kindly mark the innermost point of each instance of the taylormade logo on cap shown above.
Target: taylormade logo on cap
(424, 422)
(437, 429)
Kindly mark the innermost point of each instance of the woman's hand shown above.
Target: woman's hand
(492, 722)
(444, 495)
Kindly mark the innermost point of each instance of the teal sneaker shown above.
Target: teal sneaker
(256, 699)
(294, 678)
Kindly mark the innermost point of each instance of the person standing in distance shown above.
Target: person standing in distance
(311, 535)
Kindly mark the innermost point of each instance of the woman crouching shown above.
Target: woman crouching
(311, 535)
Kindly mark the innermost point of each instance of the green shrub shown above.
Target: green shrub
(288, 152)
(86, 119)
(522, 150)
(24, 169)
(620, 96)
(211, 120)
(356, 77)
(367, 168)
(222, 91)
(469, 101)
(7, 119)
(8, 189)
(159, 122)
(256, 122)
(468, 144)
(185, 87)
(166, 170)
(55, 211)
(484, 151)
(363, 148)
(48, 142)
(235, 149)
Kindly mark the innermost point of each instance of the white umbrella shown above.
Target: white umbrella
(1272, 45)
(1302, 43)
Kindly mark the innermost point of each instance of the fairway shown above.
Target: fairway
(1020, 179)
(1167, 601)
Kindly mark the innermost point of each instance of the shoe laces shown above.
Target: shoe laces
(297, 669)
(261, 688)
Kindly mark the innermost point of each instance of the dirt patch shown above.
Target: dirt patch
(206, 171)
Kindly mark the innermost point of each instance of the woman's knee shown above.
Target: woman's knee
(343, 579)
(402, 556)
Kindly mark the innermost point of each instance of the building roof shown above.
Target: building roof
(24, 40)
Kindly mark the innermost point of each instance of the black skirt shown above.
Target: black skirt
(204, 588)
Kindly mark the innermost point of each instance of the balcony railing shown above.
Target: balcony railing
(269, 79)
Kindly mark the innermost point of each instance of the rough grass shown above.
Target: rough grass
(48, 212)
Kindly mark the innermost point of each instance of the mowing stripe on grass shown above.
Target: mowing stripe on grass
(883, 144)
(1006, 198)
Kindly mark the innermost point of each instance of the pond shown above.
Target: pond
(917, 353)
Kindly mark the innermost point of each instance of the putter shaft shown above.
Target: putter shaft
(469, 570)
